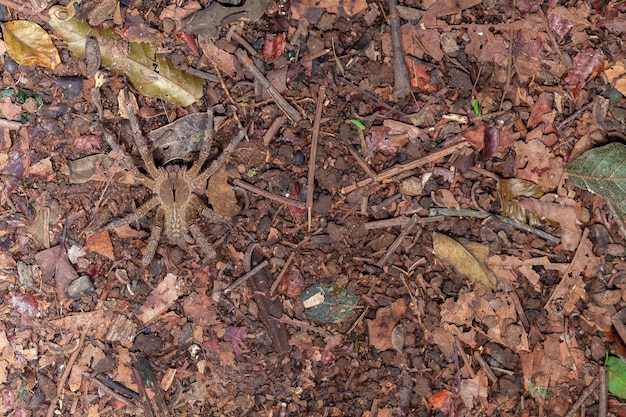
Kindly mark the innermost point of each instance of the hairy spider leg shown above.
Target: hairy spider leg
(153, 242)
(140, 140)
(132, 217)
(216, 164)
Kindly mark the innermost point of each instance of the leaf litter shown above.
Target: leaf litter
(414, 335)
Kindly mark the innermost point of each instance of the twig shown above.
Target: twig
(66, 375)
(283, 271)
(407, 166)
(616, 320)
(245, 277)
(294, 322)
(396, 243)
(104, 386)
(583, 397)
(603, 400)
(273, 129)
(267, 194)
(400, 221)
(310, 186)
(401, 81)
(440, 211)
(359, 160)
(289, 110)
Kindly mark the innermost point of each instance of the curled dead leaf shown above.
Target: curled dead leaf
(467, 257)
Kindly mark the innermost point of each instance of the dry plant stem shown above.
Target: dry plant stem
(583, 397)
(283, 271)
(603, 400)
(66, 374)
(204, 75)
(492, 377)
(310, 187)
(287, 320)
(400, 221)
(245, 277)
(232, 34)
(110, 391)
(289, 110)
(267, 194)
(396, 243)
(407, 166)
(401, 81)
(273, 129)
(553, 41)
(359, 160)
(468, 365)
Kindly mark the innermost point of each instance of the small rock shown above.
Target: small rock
(81, 285)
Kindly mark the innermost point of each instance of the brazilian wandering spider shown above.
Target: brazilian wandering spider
(178, 208)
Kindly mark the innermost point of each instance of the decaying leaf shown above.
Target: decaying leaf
(602, 171)
(181, 137)
(221, 195)
(150, 73)
(29, 44)
(467, 257)
(381, 328)
(509, 190)
(84, 169)
(328, 303)
(160, 299)
(55, 266)
(100, 243)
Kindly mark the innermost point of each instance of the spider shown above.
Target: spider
(177, 206)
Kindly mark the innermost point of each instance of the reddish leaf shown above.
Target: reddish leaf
(235, 335)
(19, 162)
(492, 140)
(191, 42)
(273, 47)
(585, 64)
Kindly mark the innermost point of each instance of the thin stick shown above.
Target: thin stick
(267, 194)
(282, 272)
(10, 124)
(603, 400)
(310, 187)
(273, 129)
(401, 81)
(396, 243)
(289, 110)
(359, 160)
(245, 277)
(407, 166)
(400, 221)
(583, 397)
(66, 375)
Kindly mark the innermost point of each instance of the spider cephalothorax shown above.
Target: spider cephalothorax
(178, 208)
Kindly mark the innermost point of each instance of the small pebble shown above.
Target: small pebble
(79, 286)
(298, 158)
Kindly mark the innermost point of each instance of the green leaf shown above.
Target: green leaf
(476, 107)
(603, 172)
(328, 303)
(617, 376)
(151, 74)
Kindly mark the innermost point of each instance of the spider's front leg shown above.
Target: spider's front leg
(132, 217)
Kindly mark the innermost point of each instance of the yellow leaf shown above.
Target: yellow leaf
(467, 257)
(29, 44)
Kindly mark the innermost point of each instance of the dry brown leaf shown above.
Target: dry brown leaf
(100, 243)
(55, 266)
(381, 328)
(161, 298)
(221, 194)
(29, 44)
(201, 309)
(564, 215)
(224, 60)
(535, 162)
(467, 257)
